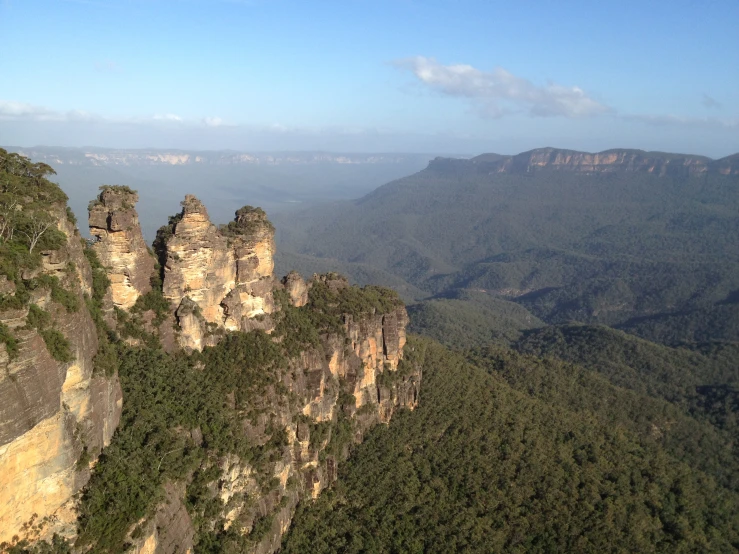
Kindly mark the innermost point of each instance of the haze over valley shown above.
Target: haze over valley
(277, 181)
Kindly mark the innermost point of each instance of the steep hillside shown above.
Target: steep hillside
(607, 238)
(505, 456)
(58, 405)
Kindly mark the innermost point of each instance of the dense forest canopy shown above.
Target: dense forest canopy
(505, 455)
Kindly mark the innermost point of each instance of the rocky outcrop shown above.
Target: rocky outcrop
(356, 376)
(321, 397)
(217, 278)
(51, 411)
(296, 288)
(120, 244)
(608, 161)
(170, 531)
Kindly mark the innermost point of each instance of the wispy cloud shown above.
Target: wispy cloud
(710, 102)
(216, 121)
(21, 111)
(10, 110)
(498, 92)
(168, 117)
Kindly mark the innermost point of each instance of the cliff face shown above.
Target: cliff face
(355, 375)
(51, 410)
(609, 161)
(217, 279)
(332, 368)
(120, 245)
(358, 383)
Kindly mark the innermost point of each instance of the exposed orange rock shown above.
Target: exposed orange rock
(50, 410)
(609, 161)
(218, 278)
(297, 288)
(120, 245)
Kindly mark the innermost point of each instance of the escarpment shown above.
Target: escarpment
(608, 161)
(242, 394)
(337, 376)
(236, 396)
(57, 409)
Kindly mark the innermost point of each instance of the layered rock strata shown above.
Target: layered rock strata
(51, 411)
(217, 278)
(120, 244)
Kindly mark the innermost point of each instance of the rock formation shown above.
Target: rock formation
(354, 374)
(326, 391)
(296, 288)
(217, 278)
(51, 411)
(609, 161)
(120, 245)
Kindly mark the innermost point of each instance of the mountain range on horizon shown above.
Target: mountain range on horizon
(545, 156)
(98, 156)
(624, 238)
(592, 162)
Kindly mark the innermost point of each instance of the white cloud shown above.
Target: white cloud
(21, 110)
(497, 93)
(12, 111)
(168, 117)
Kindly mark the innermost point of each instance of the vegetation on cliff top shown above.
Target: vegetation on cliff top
(30, 207)
(247, 221)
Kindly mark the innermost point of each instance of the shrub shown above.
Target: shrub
(57, 345)
(10, 342)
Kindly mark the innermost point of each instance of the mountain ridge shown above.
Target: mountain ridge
(96, 156)
(660, 163)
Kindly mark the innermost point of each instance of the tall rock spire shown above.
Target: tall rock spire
(120, 244)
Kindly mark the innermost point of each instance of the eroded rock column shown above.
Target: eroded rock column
(217, 278)
(120, 244)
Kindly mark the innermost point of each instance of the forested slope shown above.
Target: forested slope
(491, 462)
(650, 248)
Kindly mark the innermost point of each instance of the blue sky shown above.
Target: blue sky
(371, 75)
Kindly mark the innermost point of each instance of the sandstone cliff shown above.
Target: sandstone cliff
(325, 397)
(56, 414)
(352, 380)
(223, 432)
(609, 161)
(120, 245)
(340, 372)
(217, 278)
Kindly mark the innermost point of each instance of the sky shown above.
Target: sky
(441, 76)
